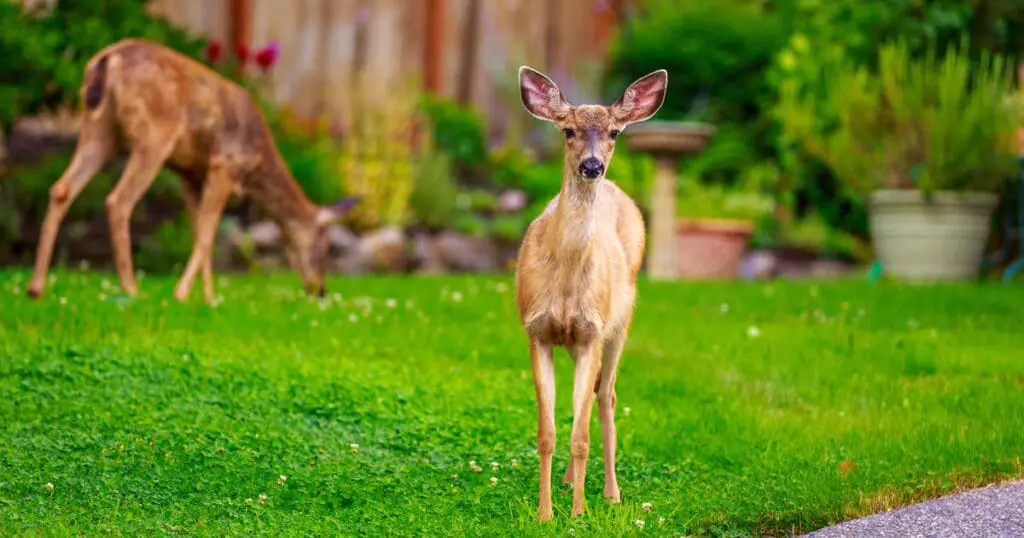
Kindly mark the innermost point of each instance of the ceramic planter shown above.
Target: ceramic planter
(942, 238)
(711, 248)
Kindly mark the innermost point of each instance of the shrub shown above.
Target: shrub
(928, 123)
(42, 53)
(456, 130)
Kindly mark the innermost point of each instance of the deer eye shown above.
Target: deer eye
(569, 133)
(614, 133)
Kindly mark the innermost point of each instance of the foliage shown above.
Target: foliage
(716, 53)
(928, 123)
(378, 157)
(433, 199)
(42, 53)
(848, 395)
(456, 130)
(749, 200)
(825, 34)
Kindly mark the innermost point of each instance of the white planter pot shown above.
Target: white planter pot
(939, 239)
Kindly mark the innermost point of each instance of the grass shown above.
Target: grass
(743, 408)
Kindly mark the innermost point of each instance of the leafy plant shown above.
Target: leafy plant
(434, 196)
(928, 123)
(456, 130)
(378, 158)
(42, 51)
(749, 200)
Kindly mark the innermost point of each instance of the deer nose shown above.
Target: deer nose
(591, 167)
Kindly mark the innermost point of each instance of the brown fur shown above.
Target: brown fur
(168, 110)
(576, 274)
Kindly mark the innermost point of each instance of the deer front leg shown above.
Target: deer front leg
(588, 363)
(93, 150)
(543, 365)
(139, 174)
(211, 206)
(606, 412)
(191, 196)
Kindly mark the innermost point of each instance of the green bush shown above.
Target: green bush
(716, 53)
(456, 130)
(433, 199)
(42, 54)
(929, 123)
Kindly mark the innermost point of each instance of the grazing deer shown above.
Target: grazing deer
(577, 269)
(166, 109)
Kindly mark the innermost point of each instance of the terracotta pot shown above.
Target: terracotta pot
(939, 239)
(711, 248)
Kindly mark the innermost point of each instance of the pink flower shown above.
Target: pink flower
(267, 56)
(214, 51)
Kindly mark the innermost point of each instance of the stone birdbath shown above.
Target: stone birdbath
(668, 142)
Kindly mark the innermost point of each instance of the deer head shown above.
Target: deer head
(590, 130)
(308, 245)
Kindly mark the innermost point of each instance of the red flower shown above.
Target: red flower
(242, 52)
(267, 56)
(214, 51)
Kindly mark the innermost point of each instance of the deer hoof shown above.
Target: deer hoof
(544, 515)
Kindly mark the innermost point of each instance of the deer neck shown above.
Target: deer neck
(275, 190)
(575, 218)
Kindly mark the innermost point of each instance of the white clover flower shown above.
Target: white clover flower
(262, 499)
(724, 308)
(281, 479)
(457, 296)
(355, 448)
(515, 463)
(494, 481)
(646, 507)
(640, 524)
(390, 303)
(494, 466)
(626, 411)
(661, 521)
(353, 318)
(49, 487)
(753, 332)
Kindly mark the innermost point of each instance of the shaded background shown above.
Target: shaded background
(415, 106)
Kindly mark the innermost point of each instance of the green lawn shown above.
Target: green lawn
(743, 408)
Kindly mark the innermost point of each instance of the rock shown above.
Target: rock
(512, 201)
(381, 250)
(759, 264)
(829, 268)
(465, 253)
(425, 255)
(341, 238)
(265, 234)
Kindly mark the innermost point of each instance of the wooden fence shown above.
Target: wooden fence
(476, 46)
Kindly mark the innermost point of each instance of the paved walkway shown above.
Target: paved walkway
(989, 512)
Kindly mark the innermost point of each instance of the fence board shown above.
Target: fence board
(316, 72)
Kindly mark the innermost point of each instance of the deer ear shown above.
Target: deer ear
(330, 213)
(541, 96)
(642, 99)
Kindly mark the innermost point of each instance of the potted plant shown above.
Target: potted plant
(715, 223)
(929, 140)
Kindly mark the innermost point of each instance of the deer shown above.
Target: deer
(167, 110)
(576, 272)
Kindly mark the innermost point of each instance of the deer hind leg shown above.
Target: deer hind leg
(144, 164)
(95, 145)
(606, 412)
(191, 194)
(588, 364)
(543, 365)
(214, 198)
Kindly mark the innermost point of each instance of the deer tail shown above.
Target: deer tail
(95, 86)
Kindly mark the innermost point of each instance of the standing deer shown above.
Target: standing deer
(577, 269)
(167, 109)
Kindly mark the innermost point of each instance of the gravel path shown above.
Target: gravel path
(994, 511)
